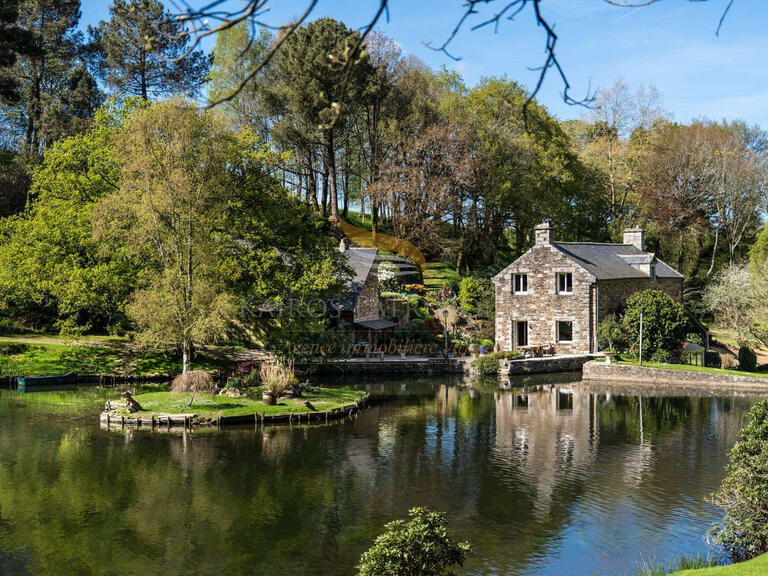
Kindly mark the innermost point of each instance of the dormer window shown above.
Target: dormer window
(520, 283)
(564, 283)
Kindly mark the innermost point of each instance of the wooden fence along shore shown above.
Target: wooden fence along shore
(189, 420)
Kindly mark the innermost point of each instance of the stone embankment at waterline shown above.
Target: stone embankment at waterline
(622, 373)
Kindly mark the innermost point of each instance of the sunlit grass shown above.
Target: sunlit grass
(691, 368)
(322, 399)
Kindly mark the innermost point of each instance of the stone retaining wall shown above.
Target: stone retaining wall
(618, 373)
(547, 365)
(386, 367)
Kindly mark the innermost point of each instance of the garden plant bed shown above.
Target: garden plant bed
(163, 409)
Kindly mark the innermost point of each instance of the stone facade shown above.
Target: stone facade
(367, 305)
(543, 305)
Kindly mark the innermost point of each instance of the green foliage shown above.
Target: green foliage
(15, 40)
(488, 364)
(661, 356)
(758, 253)
(738, 299)
(743, 532)
(143, 51)
(611, 334)
(56, 93)
(713, 359)
(474, 293)
(664, 321)
(416, 547)
(52, 270)
(388, 277)
(747, 359)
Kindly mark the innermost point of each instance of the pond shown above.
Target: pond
(557, 479)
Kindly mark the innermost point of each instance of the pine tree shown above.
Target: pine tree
(55, 93)
(142, 51)
(14, 40)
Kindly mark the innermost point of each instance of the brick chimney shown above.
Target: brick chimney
(636, 237)
(544, 233)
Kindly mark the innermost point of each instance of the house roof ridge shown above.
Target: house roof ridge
(596, 243)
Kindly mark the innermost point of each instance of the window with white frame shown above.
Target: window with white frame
(565, 331)
(564, 283)
(520, 283)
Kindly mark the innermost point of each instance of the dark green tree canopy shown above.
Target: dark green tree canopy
(56, 95)
(142, 51)
(14, 40)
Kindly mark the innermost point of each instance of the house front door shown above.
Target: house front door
(521, 334)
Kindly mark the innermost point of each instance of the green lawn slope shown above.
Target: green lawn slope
(755, 567)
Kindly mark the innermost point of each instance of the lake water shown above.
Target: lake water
(563, 479)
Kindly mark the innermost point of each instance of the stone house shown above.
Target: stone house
(558, 292)
(358, 311)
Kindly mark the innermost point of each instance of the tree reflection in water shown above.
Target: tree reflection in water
(551, 478)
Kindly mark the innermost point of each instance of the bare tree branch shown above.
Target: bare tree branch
(216, 16)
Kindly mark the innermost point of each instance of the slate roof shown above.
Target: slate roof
(361, 261)
(610, 262)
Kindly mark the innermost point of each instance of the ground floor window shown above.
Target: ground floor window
(565, 331)
(521, 334)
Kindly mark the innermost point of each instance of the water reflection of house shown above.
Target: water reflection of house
(546, 434)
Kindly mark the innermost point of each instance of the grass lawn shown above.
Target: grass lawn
(439, 274)
(18, 357)
(755, 567)
(686, 367)
(322, 399)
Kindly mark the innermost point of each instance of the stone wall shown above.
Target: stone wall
(367, 305)
(542, 307)
(385, 367)
(547, 365)
(613, 294)
(618, 373)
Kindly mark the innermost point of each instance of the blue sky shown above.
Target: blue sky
(671, 44)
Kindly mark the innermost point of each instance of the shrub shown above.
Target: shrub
(662, 357)
(508, 354)
(611, 334)
(743, 532)
(713, 359)
(416, 547)
(193, 382)
(459, 347)
(388, 276)
(276, 377)
(419, 289)
(664, 321)
(488, 364)
(13, 348)
(747, 359)
(476, 297)
(470, 290)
